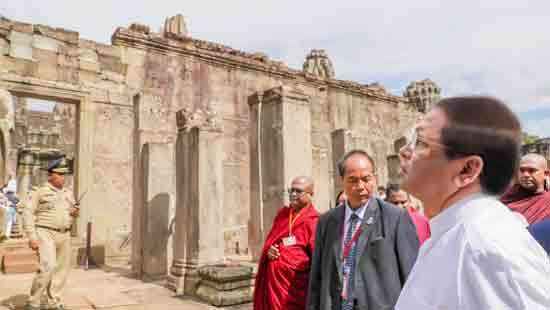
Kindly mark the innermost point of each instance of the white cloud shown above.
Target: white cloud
(497, 47)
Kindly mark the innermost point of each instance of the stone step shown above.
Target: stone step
(20, 261)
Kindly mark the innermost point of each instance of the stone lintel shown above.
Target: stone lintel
(206, 120)
(210, 51)
(277, 95)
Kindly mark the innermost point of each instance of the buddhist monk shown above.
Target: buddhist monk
(529, 196)
(283, 271)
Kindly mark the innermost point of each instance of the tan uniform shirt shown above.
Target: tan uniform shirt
(49, 207)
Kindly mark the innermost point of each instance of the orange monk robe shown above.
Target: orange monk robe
(282, 284)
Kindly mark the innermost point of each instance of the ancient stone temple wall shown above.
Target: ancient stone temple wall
(127, 95)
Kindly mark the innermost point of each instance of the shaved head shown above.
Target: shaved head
(533, 170)
(537, 159)
(305, 180)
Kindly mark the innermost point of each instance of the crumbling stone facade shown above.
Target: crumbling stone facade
(126, 95)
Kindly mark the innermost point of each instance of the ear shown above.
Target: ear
(470, 169)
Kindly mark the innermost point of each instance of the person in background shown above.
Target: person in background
(529, 196)
(341, 198)
(400, 198)
(364, 248)
(283, 270)
(381, 192)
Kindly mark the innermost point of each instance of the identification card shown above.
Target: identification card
(347, 269)
(289, 241)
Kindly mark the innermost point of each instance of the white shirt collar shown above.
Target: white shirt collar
(458, 212)
(360, 212)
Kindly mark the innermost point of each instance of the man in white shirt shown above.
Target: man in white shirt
(461, 155)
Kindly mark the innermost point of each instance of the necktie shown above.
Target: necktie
(349, 263)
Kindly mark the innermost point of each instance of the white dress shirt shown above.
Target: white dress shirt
(479, 257)
(360, 212)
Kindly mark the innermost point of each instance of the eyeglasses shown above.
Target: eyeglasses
(416, 142)
(296, 191)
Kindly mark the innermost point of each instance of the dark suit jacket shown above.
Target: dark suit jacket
(386, 252)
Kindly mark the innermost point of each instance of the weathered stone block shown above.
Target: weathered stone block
(21, 66)
(4, 47)
(45, 64)
(108, 50)
(20, 261)
(225, 273)
(89, 66)
(21, 45)
(87, 54)
(112, 76)
(5, 24)
(57, 33)
(22, 27)
(45, 43)
(67, 75)
(65, 60)
(224, 298)
(111, 63)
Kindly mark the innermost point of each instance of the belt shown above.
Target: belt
(61, 230)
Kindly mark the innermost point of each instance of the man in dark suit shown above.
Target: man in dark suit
(364, 248)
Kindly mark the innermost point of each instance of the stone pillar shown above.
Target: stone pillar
(393, 169)
(342, 142)
(280, 149)
(159, 188)
(198, 235)
(25, 169)
(324, 196)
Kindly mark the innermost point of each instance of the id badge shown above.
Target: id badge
(347, 269)
(289, 241)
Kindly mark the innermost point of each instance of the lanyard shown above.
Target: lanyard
(291, 221)
(347, 247)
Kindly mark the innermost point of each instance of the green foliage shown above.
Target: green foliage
(528, 138)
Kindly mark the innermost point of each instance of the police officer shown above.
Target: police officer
(47, 220)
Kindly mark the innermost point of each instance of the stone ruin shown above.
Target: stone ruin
(184, 147)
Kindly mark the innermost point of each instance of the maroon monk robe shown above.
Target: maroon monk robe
(282, 284)
(534, 207)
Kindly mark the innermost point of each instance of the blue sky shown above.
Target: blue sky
(499, 48)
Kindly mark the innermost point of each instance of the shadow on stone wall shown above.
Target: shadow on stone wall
(155, 250)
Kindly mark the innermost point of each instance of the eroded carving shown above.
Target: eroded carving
(174, 25)
(318, 63)
(423, 94)
(204, 120)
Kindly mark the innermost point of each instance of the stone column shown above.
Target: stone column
(342, 142)
(24, 173)
(280, 149)
(393, 169)
(198, 237)
(158, 208)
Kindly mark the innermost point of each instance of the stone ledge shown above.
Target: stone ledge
(223, 274)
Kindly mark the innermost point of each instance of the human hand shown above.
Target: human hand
(34, 245)
(273, 252)
(74, 212)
